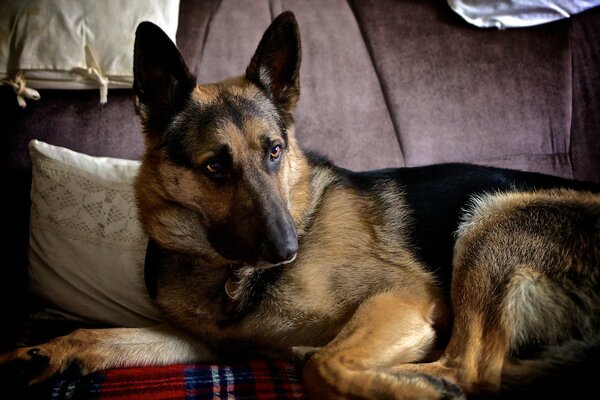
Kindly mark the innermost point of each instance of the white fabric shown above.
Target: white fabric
(19, 86)
(76, 44)
(517, 13)
(86, 246)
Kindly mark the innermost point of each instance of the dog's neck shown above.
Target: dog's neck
(318, 179)
(245, 287)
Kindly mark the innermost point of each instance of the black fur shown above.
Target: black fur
(162, 81)
(436, 196)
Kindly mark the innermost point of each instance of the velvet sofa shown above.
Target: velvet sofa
(383, 84)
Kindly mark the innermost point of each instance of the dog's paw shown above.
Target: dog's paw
(437, 387)
(31, 365)
(343, 378)
(26, 364)
(20, 367)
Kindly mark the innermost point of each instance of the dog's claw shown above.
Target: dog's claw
(24, 365)
(28, 366)
(33, 352)
(19, 368)
(37, 364)
(446, 389)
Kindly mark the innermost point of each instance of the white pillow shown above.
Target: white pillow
(517, 13)
(86, 246)
(76, 44)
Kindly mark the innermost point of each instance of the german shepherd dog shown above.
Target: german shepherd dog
(437, 282)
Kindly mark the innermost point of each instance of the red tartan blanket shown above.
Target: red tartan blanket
(261, 380)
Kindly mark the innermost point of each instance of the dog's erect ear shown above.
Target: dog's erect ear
(275, 65)
(162, 81)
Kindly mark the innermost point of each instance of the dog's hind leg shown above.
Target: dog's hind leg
(525, 272)
(89, 350)
(387, 329)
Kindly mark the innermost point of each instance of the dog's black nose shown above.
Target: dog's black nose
(282, 249)
(285, 251)
(289, 252)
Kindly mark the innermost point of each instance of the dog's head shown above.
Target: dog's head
(221, 167)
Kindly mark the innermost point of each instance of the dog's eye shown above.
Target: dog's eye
(275, 152)
(217, 168)
(213, 167)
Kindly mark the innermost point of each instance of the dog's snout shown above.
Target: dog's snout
(288, 251)
(282, 248)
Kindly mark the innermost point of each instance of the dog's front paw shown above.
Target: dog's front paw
(23, 365)
(28, 365)
(31, 365)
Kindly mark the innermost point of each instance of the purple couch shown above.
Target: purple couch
(383, 84)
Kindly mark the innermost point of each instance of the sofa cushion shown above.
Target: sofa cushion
(585, 128)
(457, 94)
(86, 246)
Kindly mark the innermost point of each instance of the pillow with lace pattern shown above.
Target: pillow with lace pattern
(86, 246)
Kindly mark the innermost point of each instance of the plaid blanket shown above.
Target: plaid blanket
(261, 380)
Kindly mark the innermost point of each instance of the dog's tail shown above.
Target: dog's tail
(563, 371)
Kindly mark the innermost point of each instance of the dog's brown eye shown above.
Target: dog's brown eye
(275, 152)
(214, 167)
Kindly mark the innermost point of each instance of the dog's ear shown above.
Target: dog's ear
(275, 65)
(162, 81)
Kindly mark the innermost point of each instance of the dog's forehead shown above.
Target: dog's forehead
(232, 114)
(219, 109)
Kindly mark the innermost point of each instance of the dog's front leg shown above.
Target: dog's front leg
(89, 350)
(387, 330)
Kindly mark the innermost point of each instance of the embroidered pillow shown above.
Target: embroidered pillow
(86, 246)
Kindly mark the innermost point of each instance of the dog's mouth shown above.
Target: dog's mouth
(290, 260)
(267, 265)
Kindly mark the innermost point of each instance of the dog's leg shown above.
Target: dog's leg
(89, 350)
(525, 271)
(477, 350)
(386, 330)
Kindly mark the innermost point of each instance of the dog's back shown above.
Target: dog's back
(437, 197)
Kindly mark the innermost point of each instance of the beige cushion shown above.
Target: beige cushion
(86, 246)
